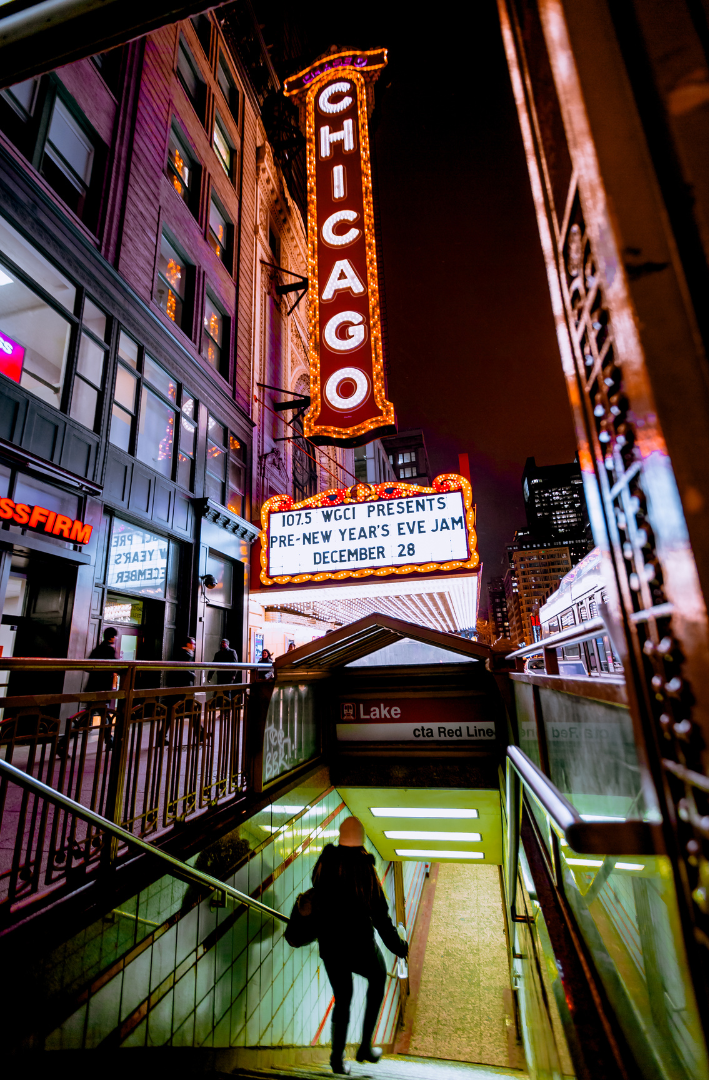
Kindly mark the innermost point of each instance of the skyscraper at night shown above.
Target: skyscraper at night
(408, 456)
(557, 536)
(554, 503)
(497, 607)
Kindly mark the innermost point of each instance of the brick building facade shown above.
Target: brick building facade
(140, 201)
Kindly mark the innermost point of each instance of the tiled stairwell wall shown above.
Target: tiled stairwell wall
(169, 968)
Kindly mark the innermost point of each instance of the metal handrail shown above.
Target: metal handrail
(127, 669)
(571, 636)
(633, 837)
(179, 869)
(42, 663)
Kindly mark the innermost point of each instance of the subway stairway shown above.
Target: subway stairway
(530, 954)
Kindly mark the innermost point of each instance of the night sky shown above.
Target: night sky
(472, 349)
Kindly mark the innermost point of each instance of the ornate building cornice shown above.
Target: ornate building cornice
(224, 518)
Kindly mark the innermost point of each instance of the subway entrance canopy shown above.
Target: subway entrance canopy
(413, 727)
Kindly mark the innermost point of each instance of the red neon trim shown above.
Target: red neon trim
(322, 1025)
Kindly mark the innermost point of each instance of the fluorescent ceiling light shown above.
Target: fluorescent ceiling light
(5, 279)
(629, 866)
(421, 812)
(285, 809)
(425, 853)
(584, 862)
(600, 817)
(412, 834)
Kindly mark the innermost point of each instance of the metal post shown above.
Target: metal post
(551, 662)
(400, 901)
(119, 757)
(514, 819)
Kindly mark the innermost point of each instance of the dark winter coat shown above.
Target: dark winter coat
(226, 656)
(351, 904)
(101, 680)
(180, 677)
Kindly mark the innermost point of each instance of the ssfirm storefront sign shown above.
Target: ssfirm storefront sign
(40, 519)
(369, 529)
(347, 385)
(414, 719)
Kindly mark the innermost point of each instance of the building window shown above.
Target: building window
(225, 481)
(214, 334)
(203, 29)
(182, 170)
(90, 366)
(220, 232)
(36, 318)
(403, 473)
(48, 128)
(110, 65)
(408, 455)
(189, 76)
(172, 283)
(222, 146)
(125, 394)
(188, 441)
(156, 433)
(237, 477)
(217, 458)
(68, 159)
(228, 87)
(23, 97)
(146, 391)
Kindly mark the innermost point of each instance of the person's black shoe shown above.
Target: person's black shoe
(369, 1053)
(339, 1065)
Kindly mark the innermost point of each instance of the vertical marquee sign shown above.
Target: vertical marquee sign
(349, 404)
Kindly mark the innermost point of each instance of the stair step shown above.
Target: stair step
(395, 1067)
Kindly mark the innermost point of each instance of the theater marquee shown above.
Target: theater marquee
(347, 385)
(369, 530)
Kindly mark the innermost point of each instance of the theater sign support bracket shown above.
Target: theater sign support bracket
(349, 403)
(369, 530)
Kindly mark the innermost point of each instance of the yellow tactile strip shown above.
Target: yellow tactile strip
(461, 1013)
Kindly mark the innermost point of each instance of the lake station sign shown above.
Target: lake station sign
(414, 719)
(369, 530)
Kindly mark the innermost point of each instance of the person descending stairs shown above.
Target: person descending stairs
(348, 905)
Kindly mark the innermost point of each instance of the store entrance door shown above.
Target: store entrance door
(215, 628)
(39, 604)
(129, 642)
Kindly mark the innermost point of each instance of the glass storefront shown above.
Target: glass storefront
(137, 560)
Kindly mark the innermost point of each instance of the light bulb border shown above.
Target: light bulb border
(362, 493)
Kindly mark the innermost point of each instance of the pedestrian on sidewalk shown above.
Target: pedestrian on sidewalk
(103, 680)
(178, 677)
(225, 655)
(350, 905)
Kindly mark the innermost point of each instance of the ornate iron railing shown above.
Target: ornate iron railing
(144, 759)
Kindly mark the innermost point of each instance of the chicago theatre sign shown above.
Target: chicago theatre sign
(349, 404)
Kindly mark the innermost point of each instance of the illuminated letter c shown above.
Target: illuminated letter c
(327, 106)
(340, 239)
